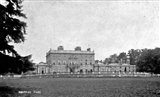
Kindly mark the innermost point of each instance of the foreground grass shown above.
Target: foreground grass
(83, 87)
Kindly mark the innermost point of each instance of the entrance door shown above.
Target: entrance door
(125, 70)
(81, 71)
(42, 72)
(71, 70)
(91, 71)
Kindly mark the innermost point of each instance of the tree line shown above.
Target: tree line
(146, 60)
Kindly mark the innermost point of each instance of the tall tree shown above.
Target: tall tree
(106, 61)
(134, 56)
(149, 61)
(122, 56)
(12, 30)
(114, 58)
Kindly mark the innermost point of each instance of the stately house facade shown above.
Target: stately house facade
(68, 61)
(78, 61)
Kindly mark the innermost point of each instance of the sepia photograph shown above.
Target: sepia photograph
(79, 48)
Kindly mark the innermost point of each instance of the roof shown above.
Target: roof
(113, 64)
(42, 63)
(125, 64)
(70, 52)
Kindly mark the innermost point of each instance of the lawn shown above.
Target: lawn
(82, 87)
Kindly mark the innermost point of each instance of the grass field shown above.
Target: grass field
(81, 87)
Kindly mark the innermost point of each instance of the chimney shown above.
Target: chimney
(78, 48)
(89, 49)
(60, 48)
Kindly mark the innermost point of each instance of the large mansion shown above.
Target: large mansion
(78, 61)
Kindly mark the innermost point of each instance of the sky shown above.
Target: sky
(107, 27)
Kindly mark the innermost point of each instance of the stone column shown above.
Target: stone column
(37, 69)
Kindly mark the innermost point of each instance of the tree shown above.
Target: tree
(134, 56)
(12, 31)
(106, 61)
(113, 58)
(149, 61)
(122, 56)
(96, 61)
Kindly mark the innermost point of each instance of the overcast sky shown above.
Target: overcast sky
(107, 27)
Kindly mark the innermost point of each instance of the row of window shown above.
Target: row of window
(71, 63)
(114, 69)
(86, 61)
(72, 56)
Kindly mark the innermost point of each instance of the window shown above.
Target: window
(53, 62)
(86, 62)
(70, 63)
(59, 62)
